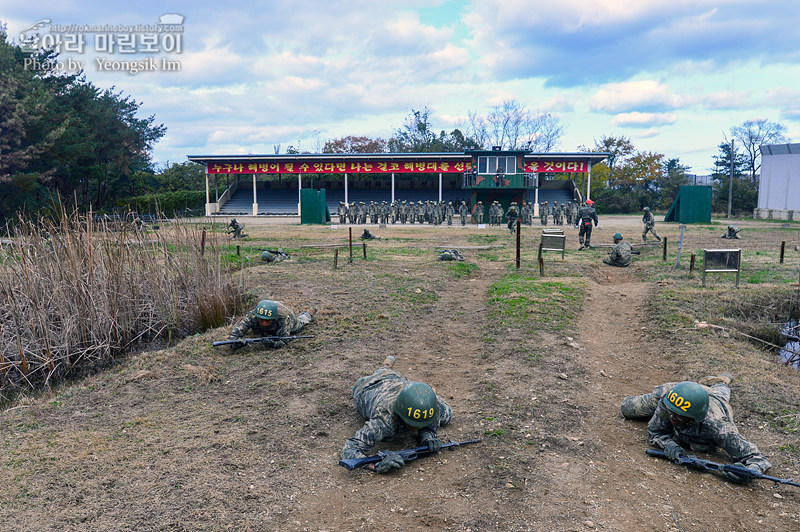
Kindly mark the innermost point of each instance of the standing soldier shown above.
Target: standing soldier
(450, 212)
(479, 212)
(649, 224)
(500, 212)
(492, 213)
(562, 215)
(392, 404)
(512, 216)
(543, 212)
(569, 213)
(463, 212)
(586, 214)
(342, 213)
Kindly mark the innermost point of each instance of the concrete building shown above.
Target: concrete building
(779, 188)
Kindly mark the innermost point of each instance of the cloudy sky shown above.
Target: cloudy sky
(673, 75)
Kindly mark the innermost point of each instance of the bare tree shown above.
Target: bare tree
(752, 134)
(514, 127)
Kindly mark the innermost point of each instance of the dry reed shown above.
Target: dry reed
(75, 293)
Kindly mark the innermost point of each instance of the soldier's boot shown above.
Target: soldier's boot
(389, 361)
(711, 380)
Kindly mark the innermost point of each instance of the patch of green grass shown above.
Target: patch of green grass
(463, 269)
(496, 432)
(490, 256)
(524, 297)
(483, 239)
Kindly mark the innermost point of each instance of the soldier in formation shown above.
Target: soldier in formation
(649, 222)
(463, 212)
(270, 318)
(621, 254)
(586, 215)
(392, 405)
(512, 216)
(544, 212)
(696, 416)
(569, 214)
(479, 212)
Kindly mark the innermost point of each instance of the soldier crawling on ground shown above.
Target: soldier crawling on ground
(392, 404)
(696, 416)
(270, 318)
(732, 232)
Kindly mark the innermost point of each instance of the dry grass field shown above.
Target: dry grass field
(192, 437)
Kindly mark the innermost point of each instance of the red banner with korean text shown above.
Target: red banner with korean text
(556, 166)
(338, 167)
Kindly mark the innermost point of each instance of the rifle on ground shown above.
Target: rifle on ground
(699, 463)
(249, 341)
(407, 454)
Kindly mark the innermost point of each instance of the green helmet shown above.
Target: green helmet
(266, 310)
(646, 209)
(267, 256)
(417, 405)
(617, 236)
(688, 399)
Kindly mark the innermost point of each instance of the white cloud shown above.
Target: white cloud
(637, 119)
(645, 94)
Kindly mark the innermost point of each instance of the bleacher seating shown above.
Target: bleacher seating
(285, 201)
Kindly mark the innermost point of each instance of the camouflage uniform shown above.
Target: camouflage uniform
(479, 211)
(286, 324)
(649, 222)
(512, 216)
(620, 254)
(374, 397)
(585, 216)
(235, 228)
(543, 212)
(463, 212)
(716, 430)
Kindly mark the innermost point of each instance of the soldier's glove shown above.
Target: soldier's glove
(674, 451)
(238, 344)
(738, 478)
(269, 342)
(391, 460)
(434, 444)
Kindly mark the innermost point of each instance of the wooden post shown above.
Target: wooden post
(335, 258)
(203, 243)
(519, 227)
(364, 245)
(238, 250)
(783, 249)
(691, 263)
(351, 245)
(541, 261)
(665, 249)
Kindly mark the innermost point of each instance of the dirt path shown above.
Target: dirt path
(626, 489)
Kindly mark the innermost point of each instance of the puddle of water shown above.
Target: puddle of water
(790, 354)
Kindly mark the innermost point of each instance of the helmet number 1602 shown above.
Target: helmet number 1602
(680, 402)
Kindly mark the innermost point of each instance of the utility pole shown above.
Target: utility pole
(730, 185)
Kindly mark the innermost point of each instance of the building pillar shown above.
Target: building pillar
(589, 183)
(392, 187)
(440, 187)
(255, 197)
(345, 191)
(299, 192)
